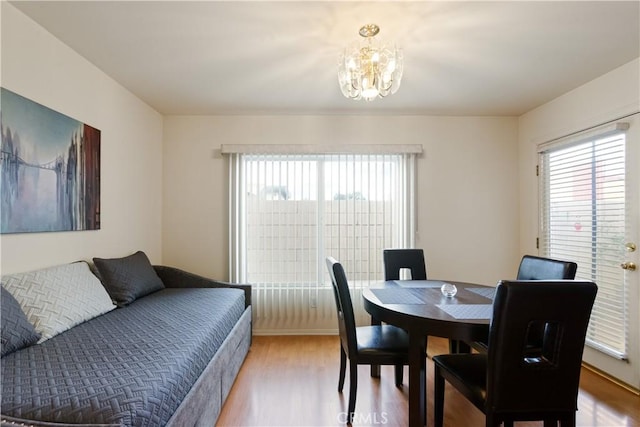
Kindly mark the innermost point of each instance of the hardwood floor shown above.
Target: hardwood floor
(293, 380)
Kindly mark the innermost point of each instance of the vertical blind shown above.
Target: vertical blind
(292, 207)
(582, 219)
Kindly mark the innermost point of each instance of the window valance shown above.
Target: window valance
(321, 149)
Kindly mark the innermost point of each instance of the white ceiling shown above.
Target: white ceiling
(263, 57)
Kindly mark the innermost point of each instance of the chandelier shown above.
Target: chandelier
(370, 69)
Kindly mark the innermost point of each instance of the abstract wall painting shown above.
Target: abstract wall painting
(49, 169)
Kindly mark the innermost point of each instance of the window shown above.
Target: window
(292, 209)
(583, 219)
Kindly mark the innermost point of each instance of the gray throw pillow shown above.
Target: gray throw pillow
(128, 278)
(17, 332)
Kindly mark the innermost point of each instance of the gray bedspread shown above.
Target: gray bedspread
(132, 366)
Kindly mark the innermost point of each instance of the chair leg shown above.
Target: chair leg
(375, 369)
(491, 420)
(399, 374)
(569, 420)
(353, 388)
(343, 369)
(457, 346)
(438, 397)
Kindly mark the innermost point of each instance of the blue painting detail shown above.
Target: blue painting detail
(49, 169)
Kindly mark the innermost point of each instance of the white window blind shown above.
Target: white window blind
(582, 219)
(291, 210)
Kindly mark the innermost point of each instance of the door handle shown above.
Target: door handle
(628, 266)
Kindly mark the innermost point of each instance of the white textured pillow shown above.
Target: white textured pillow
(56, 299)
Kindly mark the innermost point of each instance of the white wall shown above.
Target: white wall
(467, 193)
(39, 67)
(467, 185)
(606, 98)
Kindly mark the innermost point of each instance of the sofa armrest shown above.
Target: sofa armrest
(175, 278)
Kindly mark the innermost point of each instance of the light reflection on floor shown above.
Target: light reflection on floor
(594, 413)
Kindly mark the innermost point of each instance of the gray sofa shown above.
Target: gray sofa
(167, 355)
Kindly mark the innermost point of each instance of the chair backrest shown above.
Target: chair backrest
(538, 268)
(518, 381)
(396, 259)
(344, 307)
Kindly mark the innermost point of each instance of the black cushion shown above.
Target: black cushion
(382, 340)
(467, 369)
(17, 332)
(128, 278)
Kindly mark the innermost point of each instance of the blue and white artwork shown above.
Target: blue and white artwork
(49, 169)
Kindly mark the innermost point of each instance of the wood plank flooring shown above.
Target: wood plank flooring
(293, 380)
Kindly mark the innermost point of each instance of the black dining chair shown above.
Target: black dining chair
(396, 259)
(538, 268)
(511, 384)
(363, 345)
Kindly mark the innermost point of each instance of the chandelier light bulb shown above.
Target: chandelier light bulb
(370, 69)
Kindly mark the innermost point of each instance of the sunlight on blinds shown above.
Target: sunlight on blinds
(583, 220)
(290, 211)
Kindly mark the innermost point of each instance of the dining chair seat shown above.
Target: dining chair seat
(468, 374)
(379, 342)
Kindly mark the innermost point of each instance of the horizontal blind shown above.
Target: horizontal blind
(583, 220)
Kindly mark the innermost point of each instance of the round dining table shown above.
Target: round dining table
(421, 308)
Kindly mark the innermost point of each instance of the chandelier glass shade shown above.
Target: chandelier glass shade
(369, 68)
